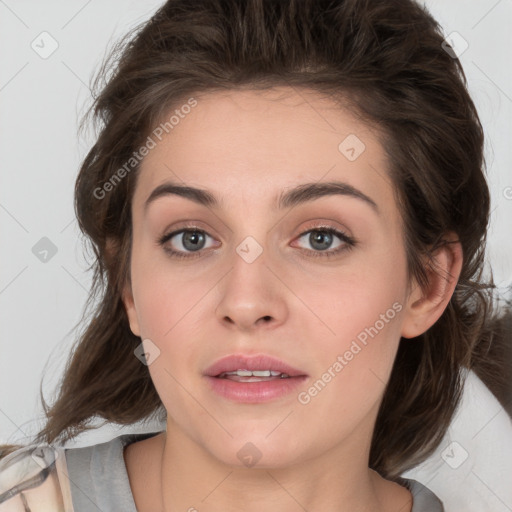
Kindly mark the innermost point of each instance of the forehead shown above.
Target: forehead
(252, 144)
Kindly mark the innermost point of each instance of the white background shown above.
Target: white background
(41, 101)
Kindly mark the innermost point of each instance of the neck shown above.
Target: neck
(338, 480)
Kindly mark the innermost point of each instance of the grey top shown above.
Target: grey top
(99, 480)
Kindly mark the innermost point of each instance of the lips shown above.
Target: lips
(253, 379)
(256, 363)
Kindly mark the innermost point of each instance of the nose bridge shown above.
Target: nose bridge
(251, 294)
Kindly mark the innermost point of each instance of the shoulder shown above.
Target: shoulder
(98, 475)
(424, 500)
(40, 468)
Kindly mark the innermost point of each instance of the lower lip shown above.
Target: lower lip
(255, 392)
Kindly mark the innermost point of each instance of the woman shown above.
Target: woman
(288, 208)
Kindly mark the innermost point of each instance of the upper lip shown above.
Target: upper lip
(235, 362)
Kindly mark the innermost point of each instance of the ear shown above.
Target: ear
(129, 306)
(112, 248)
(424, 306)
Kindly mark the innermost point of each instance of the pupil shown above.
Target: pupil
(194, 238)
(317, 239)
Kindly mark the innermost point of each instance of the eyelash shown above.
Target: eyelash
(349, 242)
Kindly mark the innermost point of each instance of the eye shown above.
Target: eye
(190, 242)
(186, 240)
(321, 239)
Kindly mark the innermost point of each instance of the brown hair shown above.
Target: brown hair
(384, 56)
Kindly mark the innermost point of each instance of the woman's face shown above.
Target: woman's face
(311, 284)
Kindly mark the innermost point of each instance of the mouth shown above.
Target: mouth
(239, 366)
(252, 379)
(253, 376)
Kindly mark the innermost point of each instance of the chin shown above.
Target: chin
(259, 451)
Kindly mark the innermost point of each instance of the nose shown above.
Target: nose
(253, 295)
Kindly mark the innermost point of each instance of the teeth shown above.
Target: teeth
(255, 373)
(261, 373)
(241, 373)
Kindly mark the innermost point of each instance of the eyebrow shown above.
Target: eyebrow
(303, 193)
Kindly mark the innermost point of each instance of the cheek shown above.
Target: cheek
(351, 300)
(356, 331)
(353, 365)
(164, 296)
(363, 325)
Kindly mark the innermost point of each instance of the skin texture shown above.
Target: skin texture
(246, 147)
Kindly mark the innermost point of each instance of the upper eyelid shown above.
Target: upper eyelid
(337, 232)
